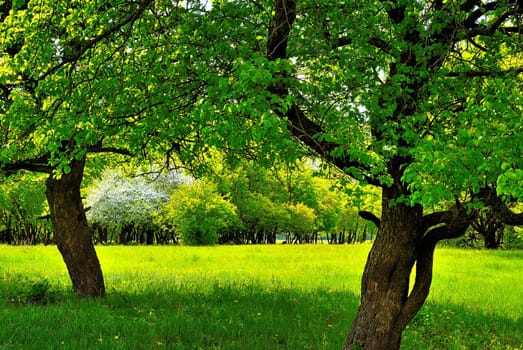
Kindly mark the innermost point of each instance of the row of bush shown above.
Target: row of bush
(247, 204)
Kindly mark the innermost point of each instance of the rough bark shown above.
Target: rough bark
(381, 317)
(72, 234)
(406, 239)
(385, 281)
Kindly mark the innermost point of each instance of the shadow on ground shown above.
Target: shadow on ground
(241, 315)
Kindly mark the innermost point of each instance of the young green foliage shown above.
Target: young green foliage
(199, 213)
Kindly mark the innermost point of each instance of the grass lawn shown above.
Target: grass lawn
(248, 297)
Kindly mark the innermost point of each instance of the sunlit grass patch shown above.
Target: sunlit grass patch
(248, 297)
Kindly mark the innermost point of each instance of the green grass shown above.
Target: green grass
(247, 297)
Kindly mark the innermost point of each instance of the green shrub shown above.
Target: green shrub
(199, 213)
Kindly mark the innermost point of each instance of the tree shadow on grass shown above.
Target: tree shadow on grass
(245, 316)
(220, 316)
(20, 290)
(439, 326)
(238, 315)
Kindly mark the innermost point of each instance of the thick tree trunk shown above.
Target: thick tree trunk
(72, 234)
(385, 283)
(405, 239)
(493, 239)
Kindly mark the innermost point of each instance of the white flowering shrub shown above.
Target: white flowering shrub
(126, 205)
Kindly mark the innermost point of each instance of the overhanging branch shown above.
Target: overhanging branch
(41, 164)
(507, 216)
(484, 73)
(38, 164)
(114, 150)
(499, 208)
(304, 129)
(367, 215)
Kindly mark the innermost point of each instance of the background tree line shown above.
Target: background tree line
(240, 205)
(247, 204)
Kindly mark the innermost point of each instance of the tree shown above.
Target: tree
(330, 208)
(260, 217)
(53, 56)
(266, 197)
(421, 99)
(301, 222)
(79, 78)
(414, 98)
(490, 228)
(121, 204)
(23, 211)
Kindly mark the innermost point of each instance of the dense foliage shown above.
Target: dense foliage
(200, 214)
(23, 213)
(123, 209)
(246, 204)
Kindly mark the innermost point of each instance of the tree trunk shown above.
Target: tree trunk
(72, 234)
(405, 238)
(493, 239)
(490, 228)
(149, 236)
(385, 284)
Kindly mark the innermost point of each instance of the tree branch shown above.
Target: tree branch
(301, 127)
(470, 21)
(433, 219)
(473, 73)
(39, 164)
(376, 42)
(507, 216)
(367, 215)
(476, 29)
(469, 5)
(85, 46)
(499, 208)
(114, 150)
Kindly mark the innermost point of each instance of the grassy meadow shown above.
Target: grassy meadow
(248, 297)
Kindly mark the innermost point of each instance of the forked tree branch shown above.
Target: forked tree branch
(38, 164)
(42, 164)
(453, 223)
